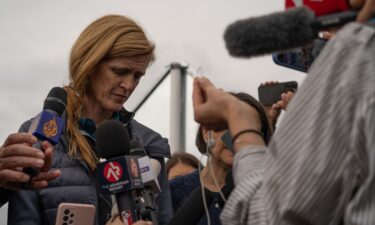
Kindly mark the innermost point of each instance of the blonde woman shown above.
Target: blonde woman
(107, 62)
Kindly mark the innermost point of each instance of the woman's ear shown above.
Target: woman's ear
(207, 136)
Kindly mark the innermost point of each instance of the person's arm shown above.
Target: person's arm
(312, 168)
(244, 201)
(216, 109)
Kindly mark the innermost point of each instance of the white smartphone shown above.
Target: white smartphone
(75, 214)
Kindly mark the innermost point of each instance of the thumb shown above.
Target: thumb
(204, 83)
(367, 11)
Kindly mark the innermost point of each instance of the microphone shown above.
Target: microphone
(120, 174)
(192, 210)
(279, 31)
(150, 169)
(48, 124)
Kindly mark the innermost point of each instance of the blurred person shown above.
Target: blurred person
(181, 163)
(107, 62)
(318, 166)
(17, 153)
(219, 162)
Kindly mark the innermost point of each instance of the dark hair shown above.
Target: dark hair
(183, 157)
(265, 129)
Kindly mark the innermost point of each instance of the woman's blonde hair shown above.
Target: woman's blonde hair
(109, 37)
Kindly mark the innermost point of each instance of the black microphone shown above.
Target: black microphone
(119, 175)
(192, 210)
(48, 124)
(150, 169)
(280, 31)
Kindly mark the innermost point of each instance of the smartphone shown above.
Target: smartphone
(75, 214)
(300, 59)
(271, 94)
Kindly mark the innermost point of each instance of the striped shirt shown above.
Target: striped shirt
(320, 166)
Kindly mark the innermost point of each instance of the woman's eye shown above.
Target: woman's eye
(121, 72)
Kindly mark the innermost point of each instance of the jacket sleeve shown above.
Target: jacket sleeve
(165, 201)
(24, 209)
(245, 202)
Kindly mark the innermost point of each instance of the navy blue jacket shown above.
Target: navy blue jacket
(77, 184)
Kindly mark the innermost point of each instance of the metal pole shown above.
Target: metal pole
(178, 107)
(152, 90)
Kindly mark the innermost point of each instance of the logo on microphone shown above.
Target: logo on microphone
(50, 128)
(112, 171)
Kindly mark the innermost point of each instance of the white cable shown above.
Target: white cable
(211, 170)
(202, 186)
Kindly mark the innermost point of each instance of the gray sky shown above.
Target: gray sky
(36, 37)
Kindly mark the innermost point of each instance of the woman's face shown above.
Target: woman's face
(114, 80)
(219, 151)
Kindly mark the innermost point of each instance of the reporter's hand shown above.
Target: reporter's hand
(117, 221)
(285, 100)
(273, 113)
(216, 110)
(367, 11)
(16, 154)
(211, 105)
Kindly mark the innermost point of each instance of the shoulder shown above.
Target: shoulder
(154, 143)
(25, 126)
(183, 185)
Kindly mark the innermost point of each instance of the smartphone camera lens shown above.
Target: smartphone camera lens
(66, 211)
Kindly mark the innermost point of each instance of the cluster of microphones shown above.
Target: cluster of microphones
(127, 173)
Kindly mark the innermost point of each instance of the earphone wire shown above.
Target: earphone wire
(209, 147)
(202, 188)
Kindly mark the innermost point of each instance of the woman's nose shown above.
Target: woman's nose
(127, 82)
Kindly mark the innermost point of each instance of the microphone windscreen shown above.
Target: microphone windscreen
(271, 33)
(112, 139)
(56, 100)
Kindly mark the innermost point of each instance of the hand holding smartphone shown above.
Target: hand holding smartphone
(270, 94)
(75, 214)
